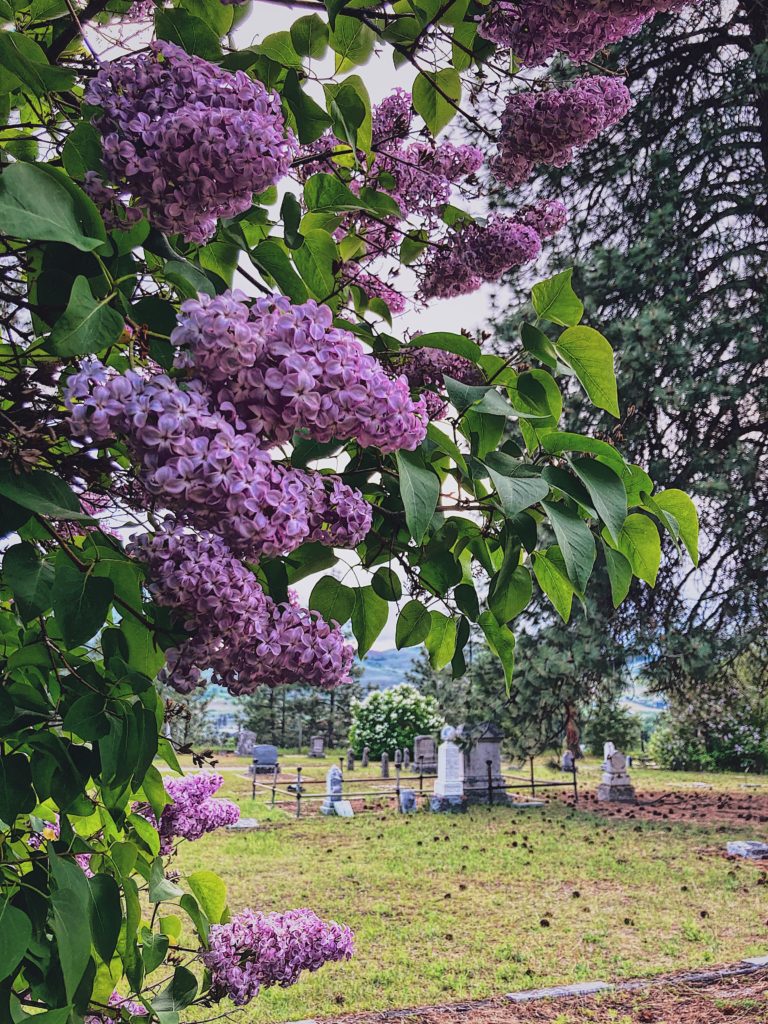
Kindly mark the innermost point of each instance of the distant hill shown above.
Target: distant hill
(382, 669)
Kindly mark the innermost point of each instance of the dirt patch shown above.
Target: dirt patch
(738, 1000)
(696, 807)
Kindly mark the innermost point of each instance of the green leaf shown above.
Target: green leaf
(386, 583)
(16, 793)
(106, 914)
(309, 36)
(607, 490)
(446, 445)
(210, 892)
(23, 58)
(219, 17)
(154, 947)
(278, 46)
(413, 625)
(441, 639)
(429, 97)
(678, 504)
(551, 575)
(466, 600)
(332, 599)
(82, 151)
(160, 887)
(420, 491)
(619, 574)
(15, 936)
(190, 33)
(325, 193)
(290, 212)
(352, 42)
(511, 591)
(639, 542)
(556, 301)
(501, 641)
(73, 939)
(575, 541)
(29, 578)
(189, 905)
(315, 261)
(80, 601)
(557, 441)
(349, 105)
(86, 326)
(187, 278)
(179, 994)
(448, 342)
(440, 572)
(274, 261)
(369, 617)
(36, 206)
(43, 493)
(539, 345)
(591, 357)
(311, 119)
(87, 718)
(517, 485)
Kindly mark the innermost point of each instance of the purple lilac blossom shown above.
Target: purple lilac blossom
(279, 368)
(545, 216)
(194, 810)
(213, 474)
(119, 1003)
(375, 288)
(425, 369)
(392, 118)
(236, 630)
(545, 127)
(189, 141)
(255, 951)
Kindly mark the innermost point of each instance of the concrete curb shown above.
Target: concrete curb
(747, 966)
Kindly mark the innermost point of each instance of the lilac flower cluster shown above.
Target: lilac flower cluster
(425, 369)
(375, 288)
(120, 1003)
(545, 127)
(537, 29)
(215, 476)
(236, 631)
(194, 810)
(423, 174)
(112, 202)
(280, 368)
(255, 950)
(392, 118)
(545, 216)
(189, 141)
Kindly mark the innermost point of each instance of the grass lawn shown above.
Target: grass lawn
(447, 908)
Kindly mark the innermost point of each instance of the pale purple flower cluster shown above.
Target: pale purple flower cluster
(537, 29)
(111, 201)
(282, 368)
(425, 369)
(189, 141)
(545, 216)
(194, 810)
(545, 127)
(214, 474)
(255, 950)
(375, 288)
(236, 631)
(392, 117)
(424, 174)
(119, 1003)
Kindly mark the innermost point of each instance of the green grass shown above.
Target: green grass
(447, 908)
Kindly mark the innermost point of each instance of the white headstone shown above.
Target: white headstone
(608, 749)
(344, 809)
(450, 770)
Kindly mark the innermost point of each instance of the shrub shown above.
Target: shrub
(388, 720)
(611, 721)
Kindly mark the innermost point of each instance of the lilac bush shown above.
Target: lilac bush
(193, 812)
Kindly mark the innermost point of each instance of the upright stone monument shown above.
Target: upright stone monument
(425, 754)
(264, 759)
(317, 746)
(406, 759)
(448, 792)
(483, 744)
(385, 766)
(246, 741)
(333, 790)
(616, 785)
(398, 758)
(366, 757)
(350, 759)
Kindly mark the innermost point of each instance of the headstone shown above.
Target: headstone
(616, 785)
(425, 754)
(448, 792)
(747, 848)
(365, 758)
(246, 741)
(333, 786)
(350, 760)
(264, 759)
(244, 825)
(317, 746)
(608, 749)
(399, 757)
(406, 758)
(344, 809)
(483, 744)
(407, 801)
(567, 762)
(385, 766)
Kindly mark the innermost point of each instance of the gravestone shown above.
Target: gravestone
(407, 801)
(616, 786)
(751, 849)
(483, 744)
(425, 754)
(398, 758)
(448, 794)
(350, 760)
(317, 746)
(246, 741)
(385, 766)
(333, 785)
(264, 759)
(608, 749)
(406, 759)
(366, 757)
(344, 809)
(568, 762)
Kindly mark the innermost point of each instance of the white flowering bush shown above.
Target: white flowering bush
(389, 720)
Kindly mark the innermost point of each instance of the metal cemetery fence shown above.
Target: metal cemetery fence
(297, 791)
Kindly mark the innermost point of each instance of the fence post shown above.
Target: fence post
(533, 780)
(298, 792)
(397, 786)
(489, 766)
(421, 774)
(274, 785)
(575, 784)
(253, 782)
